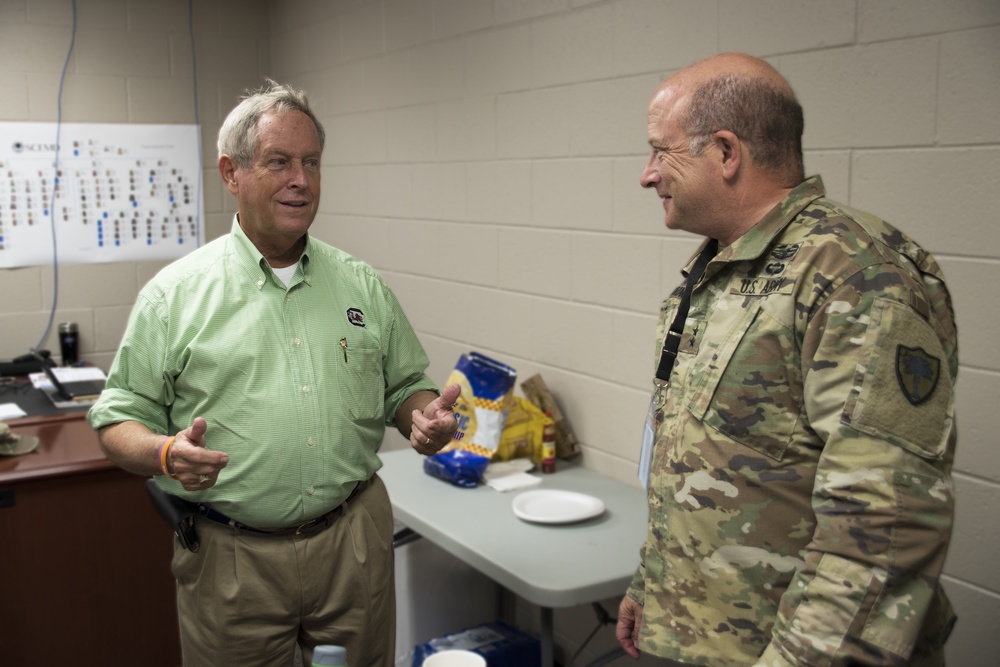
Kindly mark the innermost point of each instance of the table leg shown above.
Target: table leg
(548, 659)
(498, 601)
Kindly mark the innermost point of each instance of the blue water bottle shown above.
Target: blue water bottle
(328, 655)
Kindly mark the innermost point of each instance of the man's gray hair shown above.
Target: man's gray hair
(238, 134)
(767, 118)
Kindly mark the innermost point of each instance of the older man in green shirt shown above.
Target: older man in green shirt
(255, 378)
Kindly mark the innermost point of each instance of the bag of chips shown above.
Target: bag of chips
(537, 392)
(523, 432)
(480, 414)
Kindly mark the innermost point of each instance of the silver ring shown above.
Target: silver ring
(203, 478)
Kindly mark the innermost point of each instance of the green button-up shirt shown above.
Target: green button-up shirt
(297, 383)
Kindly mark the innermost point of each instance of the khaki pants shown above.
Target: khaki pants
(245, 599)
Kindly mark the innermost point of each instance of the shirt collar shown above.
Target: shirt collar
(250, 259)
(753, 244)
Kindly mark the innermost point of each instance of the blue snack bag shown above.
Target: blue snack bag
(458, 466)
(480, 414)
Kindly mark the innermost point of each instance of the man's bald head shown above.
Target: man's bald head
(741, 64)
(746, 96)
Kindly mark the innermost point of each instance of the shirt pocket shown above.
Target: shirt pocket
(749, 388)
(363, 383)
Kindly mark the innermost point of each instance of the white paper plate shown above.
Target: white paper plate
(553, 506)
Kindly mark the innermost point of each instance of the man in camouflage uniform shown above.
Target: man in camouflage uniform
(800, 491)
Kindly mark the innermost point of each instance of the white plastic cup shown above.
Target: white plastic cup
(454, 659)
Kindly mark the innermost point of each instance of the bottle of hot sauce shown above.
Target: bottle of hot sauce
(549, 445)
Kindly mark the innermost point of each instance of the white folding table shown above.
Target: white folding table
(550, 565)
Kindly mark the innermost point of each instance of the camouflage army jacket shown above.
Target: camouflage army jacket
(800, 492)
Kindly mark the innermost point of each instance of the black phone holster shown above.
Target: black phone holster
(177, 512)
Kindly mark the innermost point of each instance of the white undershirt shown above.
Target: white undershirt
(286, 273)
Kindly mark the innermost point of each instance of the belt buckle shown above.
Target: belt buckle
(315, 523)
(308, 524)
(324, 519)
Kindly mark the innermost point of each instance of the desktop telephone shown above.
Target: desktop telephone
(25, 364)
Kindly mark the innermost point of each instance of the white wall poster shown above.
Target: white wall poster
(120, 192)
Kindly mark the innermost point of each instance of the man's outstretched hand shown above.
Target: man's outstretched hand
(434, 425)
(195, 466)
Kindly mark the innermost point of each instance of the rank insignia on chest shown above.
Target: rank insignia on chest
(917, 372)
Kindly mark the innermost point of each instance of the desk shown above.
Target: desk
(84, 559)
(547, 565)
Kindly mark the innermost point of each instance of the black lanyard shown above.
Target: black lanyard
(673, 338)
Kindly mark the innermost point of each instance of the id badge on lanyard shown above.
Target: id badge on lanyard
(649, 431)
(671, 342)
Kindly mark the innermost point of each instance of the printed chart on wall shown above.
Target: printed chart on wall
(120, 192)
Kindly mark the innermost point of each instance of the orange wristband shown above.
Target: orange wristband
(164, 449)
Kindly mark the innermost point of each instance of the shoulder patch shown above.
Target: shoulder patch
(917, 372)
(903, 392)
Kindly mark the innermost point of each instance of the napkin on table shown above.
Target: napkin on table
(510, 475)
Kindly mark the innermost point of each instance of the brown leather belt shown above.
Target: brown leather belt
(310, 527)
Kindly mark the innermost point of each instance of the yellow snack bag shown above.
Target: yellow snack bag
(522, 434)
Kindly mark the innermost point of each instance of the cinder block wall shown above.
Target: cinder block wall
(131, 62)
(485, 155)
